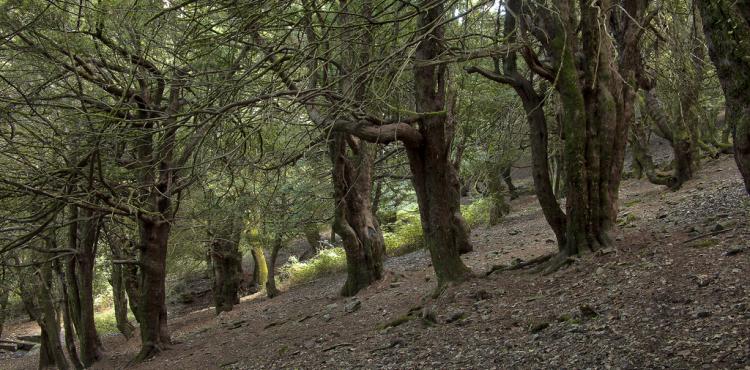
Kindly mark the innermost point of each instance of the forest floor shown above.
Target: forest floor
(672, 294)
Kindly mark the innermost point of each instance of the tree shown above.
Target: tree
(727, 27)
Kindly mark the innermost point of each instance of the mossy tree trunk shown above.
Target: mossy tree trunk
(498, 196)
(726, 24)
(597, 110)
(70, 334)
(120, 301)
(260, 268)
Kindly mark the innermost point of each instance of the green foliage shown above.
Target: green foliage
(327, 261)
(106, 322)
(478, 212)
(405, 235)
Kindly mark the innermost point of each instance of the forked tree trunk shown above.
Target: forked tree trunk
(433, 175)
(130, 279)
(594, 122)
(226, 263)
(154, 235)
(354, 219)
(271, 290)
(726, 24)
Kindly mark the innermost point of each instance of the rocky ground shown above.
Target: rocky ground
(672, 294)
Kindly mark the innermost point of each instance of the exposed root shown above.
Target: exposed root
(560, 260)
(147, 351)
(520, 264)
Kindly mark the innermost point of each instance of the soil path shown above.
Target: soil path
(672, 294)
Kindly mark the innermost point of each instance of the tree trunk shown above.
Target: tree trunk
(3, 305)
(260, 268)
(312, 235)
(505, 173)
(594, 121)
(154, 235)
(353, 219)
(70, 334)
(497, 191)
(271, 290)
(726, 24)
(226, 261)
(533, 105)
(678, 136)
(88, 338)
(118, 283)
(433, 175)
(120, 302)
(39, 302)
(130, 279)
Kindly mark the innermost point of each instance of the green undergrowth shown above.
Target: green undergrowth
(326, 262)
(106, 323)
(478, 212)
(401, 236)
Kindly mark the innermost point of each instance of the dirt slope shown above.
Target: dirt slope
(673, 294)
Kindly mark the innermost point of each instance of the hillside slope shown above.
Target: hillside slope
(672, 294)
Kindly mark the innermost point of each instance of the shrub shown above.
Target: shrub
(326, 262)
(106, 323)
(406, 235)
(478, 212)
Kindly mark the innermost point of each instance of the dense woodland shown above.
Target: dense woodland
(143, 143)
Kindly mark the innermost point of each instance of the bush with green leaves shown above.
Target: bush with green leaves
(405, 234)
(478, 212)
(327, 261)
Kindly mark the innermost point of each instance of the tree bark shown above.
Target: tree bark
(596, 114)
(727, 27)
(433, 175)
(260, 268)
(679, 137)
(354, 220)
(271, 290)
(533, 104)
(118, 281)
(120, 302)
(88, 338)
(3, 304)
(70, 334)
(39, 303)
(312, 235)
(154, 236)
(226, 262)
